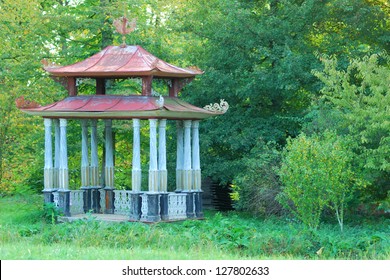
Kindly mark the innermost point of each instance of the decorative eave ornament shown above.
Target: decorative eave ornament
(124, 26)
(222, 107)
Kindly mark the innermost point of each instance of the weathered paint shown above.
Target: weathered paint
(118, 61)
(121, 107)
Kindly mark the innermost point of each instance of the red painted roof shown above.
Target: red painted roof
(119, 61)
(121, 107)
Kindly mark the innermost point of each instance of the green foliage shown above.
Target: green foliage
(50, 213)
(219, 236)
(358, 100)
(257, 185)
(316, 172)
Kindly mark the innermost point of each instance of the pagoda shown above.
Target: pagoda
(155, 204)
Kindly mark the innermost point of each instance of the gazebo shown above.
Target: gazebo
(155, 204)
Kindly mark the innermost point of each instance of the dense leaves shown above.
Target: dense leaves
(261, 56)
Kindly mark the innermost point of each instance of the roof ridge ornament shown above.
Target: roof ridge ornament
(222, 107)
(124, 26)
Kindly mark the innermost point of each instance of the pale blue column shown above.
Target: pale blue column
(153, 171)
(85, 182)
(109, 167)
(196, 186)
(179, 156)
(57, 145)
(136, 170)
(187, 164)
(63, 168)
(48, 170)
(162, 158)
(94, 168)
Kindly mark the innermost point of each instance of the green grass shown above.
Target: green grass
(25, 235)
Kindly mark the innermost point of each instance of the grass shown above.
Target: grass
(25, 235)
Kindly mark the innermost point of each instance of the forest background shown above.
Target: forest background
(308, 129)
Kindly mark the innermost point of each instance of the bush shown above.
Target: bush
(257, 186)
(316, 172)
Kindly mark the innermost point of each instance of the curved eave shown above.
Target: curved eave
(158, 114)
(119, 61)
(114, 75)
(120, 107)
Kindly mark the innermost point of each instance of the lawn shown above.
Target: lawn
(25, 234)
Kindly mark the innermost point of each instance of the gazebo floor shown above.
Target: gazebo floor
(112, 218)
(98, 217)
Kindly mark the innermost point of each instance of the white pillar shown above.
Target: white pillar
(84, 155)
(136, 171)
(48, 170)
(179, 156)
(153, 171)
(94, 168)
(196, 157)
(57, 137)
(63, 168)
(109, 169)
(187, 163)
(162, 156)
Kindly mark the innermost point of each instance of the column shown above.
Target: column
(136, 170)
(153, 171)
(151, 200)
(57, 145)
(187, 162)
(196, 187)
(136, 176)
(85, 173)
(109, 168)
(94, 169)
(48, 169)
(196, 157)
(162, 158)
(162, 169)
(63, 192)
(179, 156)
(187, 172)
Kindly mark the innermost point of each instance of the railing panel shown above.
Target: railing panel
(122, 203)
(177, 206)
(76, 202)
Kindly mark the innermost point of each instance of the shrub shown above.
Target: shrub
(316, 172)
(256, 188)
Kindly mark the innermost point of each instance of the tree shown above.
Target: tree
(359, 100)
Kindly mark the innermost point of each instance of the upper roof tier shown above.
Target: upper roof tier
(120, 62)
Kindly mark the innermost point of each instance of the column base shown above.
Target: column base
(64, 202)
(110, 196)
(198, 202)
(190, 212)
(151, 207)
(87, 199)
(164, 206)
(48, 196)
(95, 199)
(136, 205)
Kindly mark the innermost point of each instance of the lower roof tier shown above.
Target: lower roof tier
(120, 107)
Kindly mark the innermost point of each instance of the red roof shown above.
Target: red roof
(122, 61)
(121, 107)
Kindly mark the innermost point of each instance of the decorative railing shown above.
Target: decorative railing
(76, 202)
(177, 206)
(56, 199)
(122, 203)
(144, 207)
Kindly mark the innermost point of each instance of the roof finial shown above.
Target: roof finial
(123, 26)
